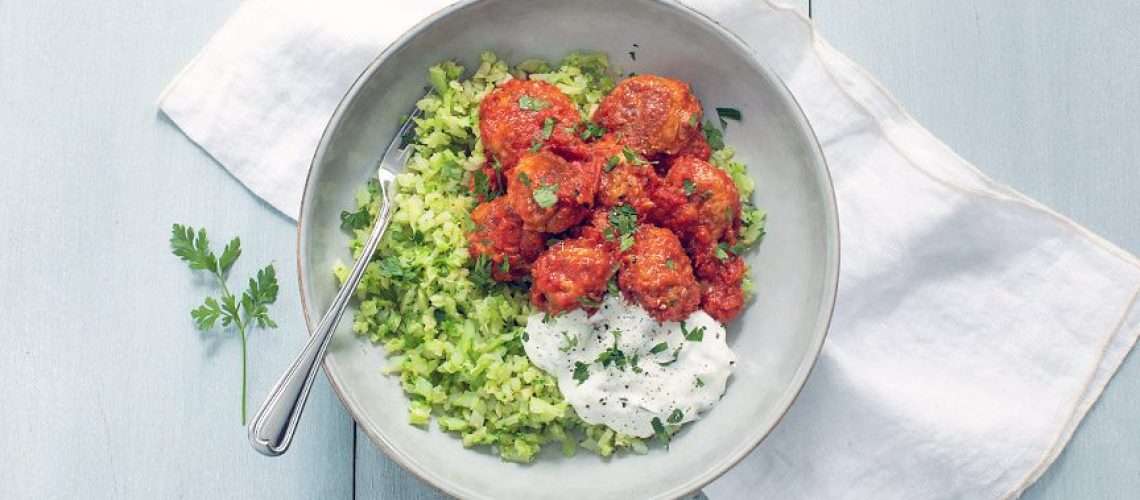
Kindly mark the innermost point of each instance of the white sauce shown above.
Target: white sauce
(625, 399)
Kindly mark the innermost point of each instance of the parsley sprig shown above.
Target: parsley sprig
(242, 312)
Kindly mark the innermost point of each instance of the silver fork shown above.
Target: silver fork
(271, 429)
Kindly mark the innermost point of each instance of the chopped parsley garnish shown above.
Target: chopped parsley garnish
(695, 335)
(660, 432)
(611, 163)
(624, 219)
(700, 383)
(613, 355)
(546, 196)
(608, 233)
(535, 145)
(670, 265)
(528, 103)
(659, 348)
(390, 267)
(481, 271)
(676, 417)
(721, 251)
(523, 178)
(633, 363)
(355, 220)
(483, 187)
(693, 120)
(612, 287)
(631, 157)
(505, 267)
(547, 318)
(676, 356)
(571, 342)
(548, 127)
(591, 130)
(714, 136)
(588, 302)
(730, 113)
(626, 242)
(689, 187)
(581, 372)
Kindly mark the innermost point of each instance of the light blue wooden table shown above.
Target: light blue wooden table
(106, 389)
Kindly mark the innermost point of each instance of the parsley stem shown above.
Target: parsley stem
(241, 329)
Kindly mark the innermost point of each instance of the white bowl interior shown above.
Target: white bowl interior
(795, 269)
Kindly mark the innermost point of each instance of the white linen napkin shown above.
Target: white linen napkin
(974, 327)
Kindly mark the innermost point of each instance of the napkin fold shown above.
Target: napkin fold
(974, 327)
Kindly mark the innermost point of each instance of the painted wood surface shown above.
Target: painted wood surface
(109, 391)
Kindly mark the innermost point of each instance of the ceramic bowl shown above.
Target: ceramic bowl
(776, 340)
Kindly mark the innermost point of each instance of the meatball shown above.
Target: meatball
(697, 147)
(551, 194)
(627, 178)
(572, 273)
(721, 274)
(522, 115)
(698, 200)
(500, 236)
(656, 274)
(651, 114)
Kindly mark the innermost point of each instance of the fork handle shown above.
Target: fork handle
(271, 429)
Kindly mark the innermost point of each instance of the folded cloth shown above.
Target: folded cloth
(974, 327)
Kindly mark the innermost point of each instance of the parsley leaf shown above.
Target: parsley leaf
(660, 432)
(523, 178)
(481, 271)
(548, 127)
(390, 267)
(611, 163)
(588, 302)
(355, 220)
(193, 249)
(730, 113)
(689, 187)
(670, 265)
(626, 242)
(714, 137)
(483, 186)
(721, 251)
(528, 103)
(659, 348)
(535, 145)
(624, 219)
(571, 342)
(676, 417)
(546, 196)
(695, 335)
(591, 130)
(581, 372)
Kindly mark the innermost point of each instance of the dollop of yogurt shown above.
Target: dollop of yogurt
(623, 369)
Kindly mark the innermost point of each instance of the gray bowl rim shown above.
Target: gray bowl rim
(831, 222)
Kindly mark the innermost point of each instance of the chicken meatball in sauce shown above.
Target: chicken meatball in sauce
(500, 236)
(657, 275)
(573, 273)
(523, 116)
(651, 114)
(551, 194)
